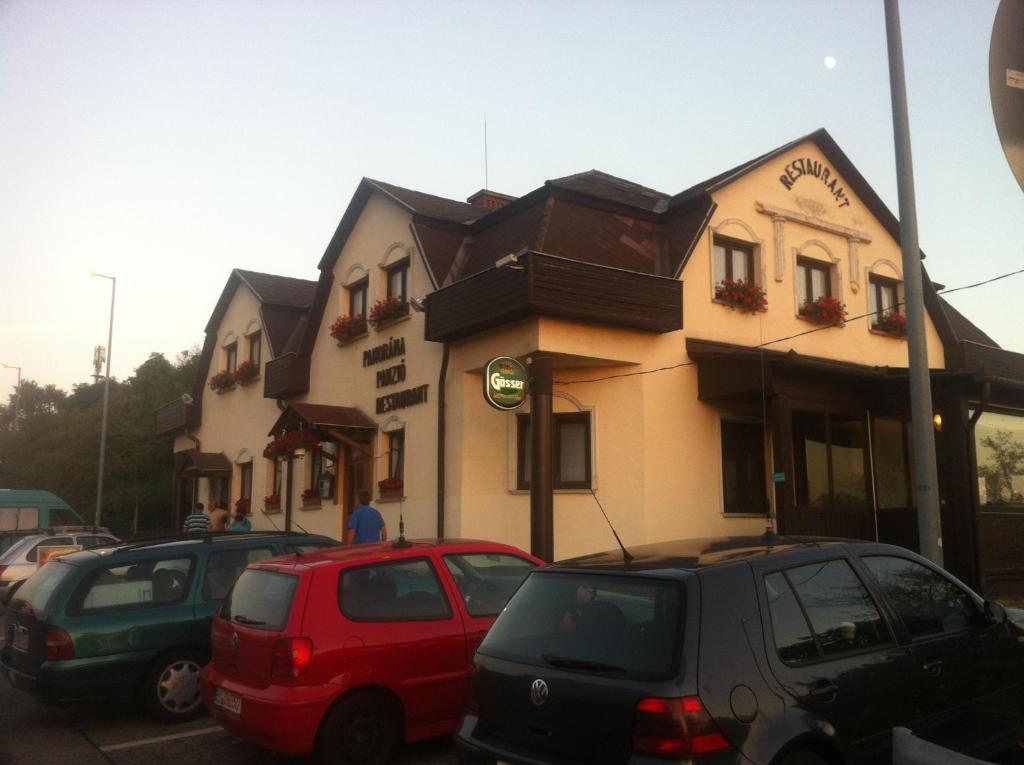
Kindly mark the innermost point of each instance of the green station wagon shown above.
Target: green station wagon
(130, 621)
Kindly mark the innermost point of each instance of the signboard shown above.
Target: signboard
(1006, 82)
(45, 552)
(778, 477)
(505, 383)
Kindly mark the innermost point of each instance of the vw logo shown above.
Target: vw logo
(539, 692)
(234, 640)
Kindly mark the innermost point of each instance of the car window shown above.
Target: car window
(19, 518)
(33, 554)
(40, 586)
(224, 566)
(134, 585)
(822, 609)
(926, 602)
(487, 580)
(59, 516)
(260, 599)
(406, 590)
(93, 541)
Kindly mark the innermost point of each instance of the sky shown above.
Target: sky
(166, 143)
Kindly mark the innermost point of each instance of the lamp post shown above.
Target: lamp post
(106, 399)
(17, 395)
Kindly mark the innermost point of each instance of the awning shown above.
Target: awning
(205, 463)
(323, 417)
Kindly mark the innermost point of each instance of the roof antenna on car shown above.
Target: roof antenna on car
(401, 542)
(626, 556)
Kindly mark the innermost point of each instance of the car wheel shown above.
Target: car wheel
(803, 757)
(363, 728)
(171, 690)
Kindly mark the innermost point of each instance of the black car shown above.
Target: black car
(743, 650)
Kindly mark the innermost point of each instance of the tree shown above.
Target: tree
(1005, 464)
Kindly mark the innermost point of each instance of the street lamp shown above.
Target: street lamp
(106, 398)
(17, 394)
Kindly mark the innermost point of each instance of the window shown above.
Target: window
(829, 452)
(572, 456)
(323, 470)
(135, 585)
(404, 591)
(926, 602)
(813, 280)
(894, 468)
(246, 481)
(254, 347)
(12, 518)
(743, 471)
(733, 260)
(220, 491)
(261, 600)
(883, 297)
(999, 450)
(829, 598)
(487, 580)
(231, 357)
(223, 568)
(396, 454)
(357, 298)
(33, 555)
(398, 281)
(277, 473)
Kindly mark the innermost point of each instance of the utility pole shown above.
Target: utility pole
(106, 400)
(929, 520)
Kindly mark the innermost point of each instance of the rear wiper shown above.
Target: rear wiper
(567, 663)
(246, 620)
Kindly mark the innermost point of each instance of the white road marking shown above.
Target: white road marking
(160, 739)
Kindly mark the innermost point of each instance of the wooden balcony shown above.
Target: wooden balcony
(172, 417)
(286, 376)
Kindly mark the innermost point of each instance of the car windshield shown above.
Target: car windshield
(261, 599)
(619, 625)
(38, 588)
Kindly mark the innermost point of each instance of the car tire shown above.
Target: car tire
(363, 728)
(171, 690)
(803, 757)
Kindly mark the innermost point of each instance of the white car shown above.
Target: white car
(21, 560)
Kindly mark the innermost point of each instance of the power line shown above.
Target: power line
(778, 339)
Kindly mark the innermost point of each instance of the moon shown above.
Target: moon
(830, 62)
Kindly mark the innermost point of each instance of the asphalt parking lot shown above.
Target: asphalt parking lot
(122, 735)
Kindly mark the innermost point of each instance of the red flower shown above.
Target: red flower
(736, 293)
(222, 381)
(825, 310)
(387, 310)
(272, 499)
(247, 372)
(347, 327)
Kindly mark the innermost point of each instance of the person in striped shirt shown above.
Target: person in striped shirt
(197, 521)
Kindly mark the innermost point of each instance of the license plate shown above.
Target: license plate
(232, 702)
(20, 641)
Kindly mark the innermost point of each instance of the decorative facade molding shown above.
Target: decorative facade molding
(779, 237)
(403, 250)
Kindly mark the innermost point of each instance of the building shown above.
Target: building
(695, 391)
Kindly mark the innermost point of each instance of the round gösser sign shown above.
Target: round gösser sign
(505, 383)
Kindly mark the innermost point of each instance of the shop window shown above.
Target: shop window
(829, 454)
(883, 297)
(357, 296)
(255, 349)
(813, 280)
(398, 281)
(999, 452)
(572, 458)
(324, 471)
(894, 468)
(396, 454)
(734, 260)
(231, 357)
(743, 468)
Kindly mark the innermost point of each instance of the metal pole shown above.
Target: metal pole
(17, 399)
(106, 402)
(929, 523)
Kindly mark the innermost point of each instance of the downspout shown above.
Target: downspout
(441, 440)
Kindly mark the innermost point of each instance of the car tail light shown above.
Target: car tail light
(291, 657)
(675, 728)
(58, 644)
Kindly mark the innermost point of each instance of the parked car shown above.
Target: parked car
(351, 651)
(25, 511)
(26, 555)
(132, 620)
(743, 650)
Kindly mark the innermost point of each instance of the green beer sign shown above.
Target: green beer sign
(505, 383)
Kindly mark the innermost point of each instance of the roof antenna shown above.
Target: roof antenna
(401, 542)
(487, 182)
(626, 556)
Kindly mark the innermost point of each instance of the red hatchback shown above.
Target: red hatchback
(351, 651)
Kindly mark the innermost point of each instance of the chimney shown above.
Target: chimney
(489, 200)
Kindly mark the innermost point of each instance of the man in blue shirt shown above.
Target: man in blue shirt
(366, 524)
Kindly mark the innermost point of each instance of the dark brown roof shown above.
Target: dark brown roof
(429, 205)
(271, 289)
(964, 328)
(601, 185)
(206, 463)
(323, 416)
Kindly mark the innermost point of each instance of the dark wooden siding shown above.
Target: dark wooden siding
(285, 376)
(993, 362)
(544, 285)
(176, 415)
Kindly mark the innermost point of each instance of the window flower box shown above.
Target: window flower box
(222, 381)
(310, 498)
(388, 310)
(826, 310)
(348, 327)
(741, 295)
(272, 503)
(247, 372)
(891, 323)
(390, 488)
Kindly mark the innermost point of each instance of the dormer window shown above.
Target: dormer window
(734, 260)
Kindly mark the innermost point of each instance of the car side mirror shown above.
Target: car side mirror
(995, 612)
